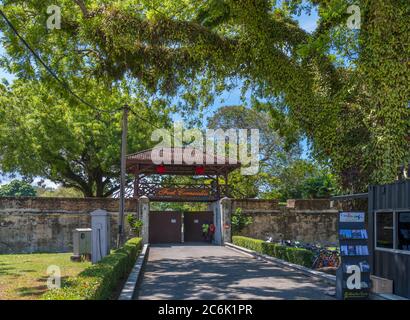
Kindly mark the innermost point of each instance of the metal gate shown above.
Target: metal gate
(165, 227)
(193, 222)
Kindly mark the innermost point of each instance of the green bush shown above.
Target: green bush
(252, 244)
(280, 252)
(298, 256)
(239, 221)
(269, 248)
(99, 281)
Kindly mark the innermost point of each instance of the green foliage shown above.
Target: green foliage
(252, 244)
(346, 91)
(239, 221)
(298, 256)
(59, 192)
(279, 251)
(244, 187)
(50, 135)
(135, 224)
(99, 281)
(179, 206)
(322, 186)
(303, 179)
(17, 188)
(275, 154)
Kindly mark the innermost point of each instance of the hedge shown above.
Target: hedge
(99, 281)
(298, 256)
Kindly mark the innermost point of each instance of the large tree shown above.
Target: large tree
(347, 91)
(274, 154)
(17, 188)
(47, 134)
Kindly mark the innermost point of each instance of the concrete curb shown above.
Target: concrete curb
(328, 278)
(127, 292)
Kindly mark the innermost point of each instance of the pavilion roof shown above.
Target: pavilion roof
(146, 161)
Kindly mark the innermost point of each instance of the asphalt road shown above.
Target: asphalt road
(194, 271)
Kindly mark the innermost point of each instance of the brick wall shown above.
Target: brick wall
(302, 220)
(46, 224)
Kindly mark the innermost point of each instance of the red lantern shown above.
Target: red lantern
(160, 169)
(199, 170)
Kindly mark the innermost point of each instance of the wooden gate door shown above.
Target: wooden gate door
(193, 222)
(165, 227)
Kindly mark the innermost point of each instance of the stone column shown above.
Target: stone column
(226, 210)
(100, 235)
(217, 222)
(143, 213)
(222, 220)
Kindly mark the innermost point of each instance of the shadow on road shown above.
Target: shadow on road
(233, 276)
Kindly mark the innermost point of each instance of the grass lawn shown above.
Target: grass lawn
(24, 276)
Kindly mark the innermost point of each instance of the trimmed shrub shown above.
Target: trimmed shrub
(280, 252)
(99, 281)
(269, 248)
(298, 256)
(249, 243)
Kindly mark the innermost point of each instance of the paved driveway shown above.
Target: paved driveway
(212, 272)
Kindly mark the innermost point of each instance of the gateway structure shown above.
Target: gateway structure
(153, 182)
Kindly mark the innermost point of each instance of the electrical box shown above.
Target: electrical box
(81, 243)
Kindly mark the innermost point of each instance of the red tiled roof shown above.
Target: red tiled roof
(177, 153)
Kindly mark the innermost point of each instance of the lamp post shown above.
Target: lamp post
(120, 237)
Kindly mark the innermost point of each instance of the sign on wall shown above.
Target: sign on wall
(351, 217)
(179, 192)
(353, 276)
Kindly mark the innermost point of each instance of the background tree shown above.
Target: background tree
(274, 153)
(50, 135)
(240, 221)
(17, 188)
(59, 192)
(346, 91)
(302, 179)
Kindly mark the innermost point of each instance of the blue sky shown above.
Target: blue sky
(232, 97)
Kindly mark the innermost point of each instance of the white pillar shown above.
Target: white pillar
(226, 209)
(143, 213)
(222, 221)
(217, 223)
(100, 235)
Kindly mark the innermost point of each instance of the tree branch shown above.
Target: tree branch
(82, 6)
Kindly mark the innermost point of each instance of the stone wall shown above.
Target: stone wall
(303, 220)
(46, 224)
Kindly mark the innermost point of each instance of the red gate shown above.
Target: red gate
(165, 227)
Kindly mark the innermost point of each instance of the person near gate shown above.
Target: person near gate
(205, 231)
(211, 232)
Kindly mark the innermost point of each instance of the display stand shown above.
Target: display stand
(354, 251)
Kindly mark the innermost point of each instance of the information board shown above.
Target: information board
(353, 275)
